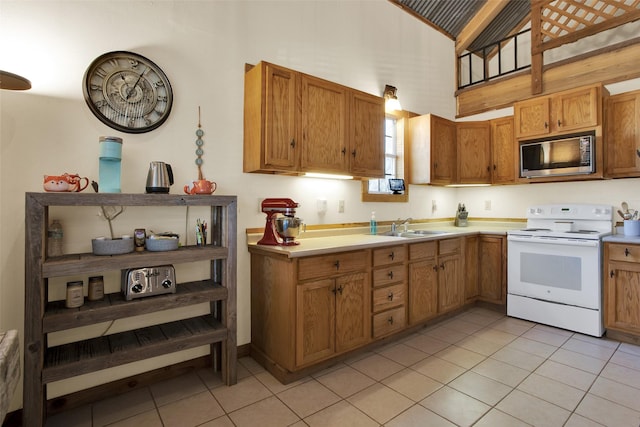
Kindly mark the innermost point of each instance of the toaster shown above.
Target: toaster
(148, 281)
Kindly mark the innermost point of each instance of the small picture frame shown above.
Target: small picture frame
(396, 185)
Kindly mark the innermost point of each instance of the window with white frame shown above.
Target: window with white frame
(381, 186)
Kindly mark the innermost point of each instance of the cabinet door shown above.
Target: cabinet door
(471, 271)
(450, 291)
(574, 110)
(315, 319)
(622, 296)
(366, 125)
(531, 117)
(324, 126)
(353, 311)
(623, 135)
(423, 291)
(443, 151)
(492, 269)
(474, 152)
(280, 144)
(504, 151)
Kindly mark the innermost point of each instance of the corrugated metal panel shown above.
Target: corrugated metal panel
(451, 16)
(503, 24)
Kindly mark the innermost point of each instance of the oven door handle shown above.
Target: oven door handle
(555, 241)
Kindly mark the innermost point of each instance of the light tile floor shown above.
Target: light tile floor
(479, 368)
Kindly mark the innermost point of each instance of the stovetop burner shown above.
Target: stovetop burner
(570, 221)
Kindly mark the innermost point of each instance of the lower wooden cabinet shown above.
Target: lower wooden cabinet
(492, 271)
(306, 311)
(332, 317)
(622, 289)
(435, 279)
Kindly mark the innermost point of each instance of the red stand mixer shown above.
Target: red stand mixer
(282, 226)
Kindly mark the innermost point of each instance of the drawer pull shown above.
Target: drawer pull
(390, 320)
(392, 255)
(337, 265)
(627, 252)
(293, 143)
(611, 274)
(390, 274)
(546, 125)
(390, 296)
(442, 266)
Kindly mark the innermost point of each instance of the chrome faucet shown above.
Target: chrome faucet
(404, 223)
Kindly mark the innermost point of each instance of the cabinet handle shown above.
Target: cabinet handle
(392, 255)
(638, 152)
(390, 274)
(627, 252)
(611, 274)
(293, 143)
(344, 151)
(442, 266)
(489, 168)
(390, 320)
(559, 123)
(494, 167)
(546, 125)
(390, 296)
(340, 289)
(337, 265)
(435, 165)
(353, 153)
(435, 267)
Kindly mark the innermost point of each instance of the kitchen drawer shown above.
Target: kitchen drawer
(624, 252)
(387, 275)
(423, 250)
(449, 246)
(332, 264)
(386, 256)
(389, 321)
(388, 297)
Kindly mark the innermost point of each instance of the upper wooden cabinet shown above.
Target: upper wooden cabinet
(295, 123)
(623, 135)
(474, 152)
(504, 151)
(444, 152)
(560, 113)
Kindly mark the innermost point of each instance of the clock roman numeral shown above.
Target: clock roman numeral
(101, 72)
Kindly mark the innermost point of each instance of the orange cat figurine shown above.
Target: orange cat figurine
(65, 183)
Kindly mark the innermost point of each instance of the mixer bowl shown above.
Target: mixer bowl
(288, 227)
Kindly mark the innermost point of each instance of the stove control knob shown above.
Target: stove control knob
(137, 288)
(166, 283)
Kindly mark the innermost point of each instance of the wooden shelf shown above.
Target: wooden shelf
(88, 263)
(58, 318)
(217, 328)
(70, 360)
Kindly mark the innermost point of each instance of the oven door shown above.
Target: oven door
(565, 271)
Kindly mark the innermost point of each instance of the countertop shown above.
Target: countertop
(621, 238)
(329, 241)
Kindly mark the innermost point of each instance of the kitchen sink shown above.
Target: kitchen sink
(414, 233)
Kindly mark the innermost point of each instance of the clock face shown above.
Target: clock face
(127, 92)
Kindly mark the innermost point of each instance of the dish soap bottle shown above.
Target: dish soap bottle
(373, 224)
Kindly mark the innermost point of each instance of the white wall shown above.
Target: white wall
(203, 46)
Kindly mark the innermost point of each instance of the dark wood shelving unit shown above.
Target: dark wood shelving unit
(44, 364)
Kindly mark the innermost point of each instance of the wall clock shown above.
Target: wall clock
(127, 92)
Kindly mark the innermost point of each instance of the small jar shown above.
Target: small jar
(75, 295)
(96, 288)
(139, 237)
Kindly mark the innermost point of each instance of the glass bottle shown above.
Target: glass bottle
(54, 240)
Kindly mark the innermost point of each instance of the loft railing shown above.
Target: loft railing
(495, 60)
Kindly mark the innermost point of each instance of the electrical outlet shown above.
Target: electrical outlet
(340, 206)
(487, 205)
(321, 205)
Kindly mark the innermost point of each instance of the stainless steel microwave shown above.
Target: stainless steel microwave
(567, 155)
